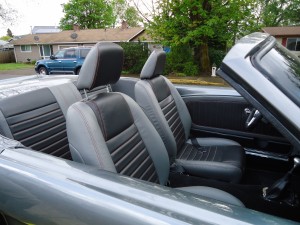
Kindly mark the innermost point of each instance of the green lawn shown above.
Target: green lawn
(14, 66)
(200, 80)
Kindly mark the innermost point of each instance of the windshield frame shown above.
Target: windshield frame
(268, 51)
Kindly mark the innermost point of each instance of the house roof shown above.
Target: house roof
(283, 31)
(83, 36)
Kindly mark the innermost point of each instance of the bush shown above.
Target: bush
(180, 60)
(190, 69)
(135, 56)
(216, 56)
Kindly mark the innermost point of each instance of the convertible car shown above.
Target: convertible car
(100, 149)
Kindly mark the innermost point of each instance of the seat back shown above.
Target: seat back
(109, 130)
(37, 118)
(162, 104)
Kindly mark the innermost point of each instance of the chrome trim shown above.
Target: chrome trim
(265, 154)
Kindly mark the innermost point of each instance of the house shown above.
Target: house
(33, 47)
(5, 45)
(289, 37)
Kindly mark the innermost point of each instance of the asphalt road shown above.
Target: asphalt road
(6, 74)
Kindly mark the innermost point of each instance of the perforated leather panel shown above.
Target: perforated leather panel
(38, 124)
(169, 109)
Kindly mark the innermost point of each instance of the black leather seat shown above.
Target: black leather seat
(110, 130)
(215, 158)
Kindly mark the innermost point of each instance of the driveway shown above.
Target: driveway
(5, 74)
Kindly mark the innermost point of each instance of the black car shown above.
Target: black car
(56, 166)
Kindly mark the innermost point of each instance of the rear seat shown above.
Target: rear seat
(37, 118)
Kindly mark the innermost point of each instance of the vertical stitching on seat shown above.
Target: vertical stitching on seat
(90, 135)
(208, 152)
(182, 152)
(214, 154)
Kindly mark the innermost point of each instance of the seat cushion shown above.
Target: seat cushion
(213, 193)
(216, 158)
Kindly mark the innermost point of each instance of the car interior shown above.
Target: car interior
(212, 143)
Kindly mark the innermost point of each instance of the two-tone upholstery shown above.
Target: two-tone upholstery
(110, 130)
(214, 158)
(37, 118)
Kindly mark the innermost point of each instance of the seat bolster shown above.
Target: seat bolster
(65, 94)
(151, 139)
(213, 193)
(4, 128)
(215, 170)
(85, 138)
(182, 109)
(146, 99)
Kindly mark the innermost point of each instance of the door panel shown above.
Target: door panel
(220, 113)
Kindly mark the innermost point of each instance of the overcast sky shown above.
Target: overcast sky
(32, 13)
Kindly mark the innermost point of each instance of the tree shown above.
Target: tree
(132, 17)
(9, 33)
(278, 12)
(196, 23)
(146, 9)
(5, 38)
(7, 14)
(124, 12)
(88, 14)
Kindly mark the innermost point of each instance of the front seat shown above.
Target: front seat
(110, 131)
(214, 158)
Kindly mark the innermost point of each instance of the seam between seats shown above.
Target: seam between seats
(90, 135)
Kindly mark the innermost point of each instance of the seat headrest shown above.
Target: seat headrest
(155, 65)
(102, 66)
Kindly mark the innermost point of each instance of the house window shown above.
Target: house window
(46, 51)
(293, 44)
(25, 48)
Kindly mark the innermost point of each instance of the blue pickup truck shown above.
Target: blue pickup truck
(65, 61)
